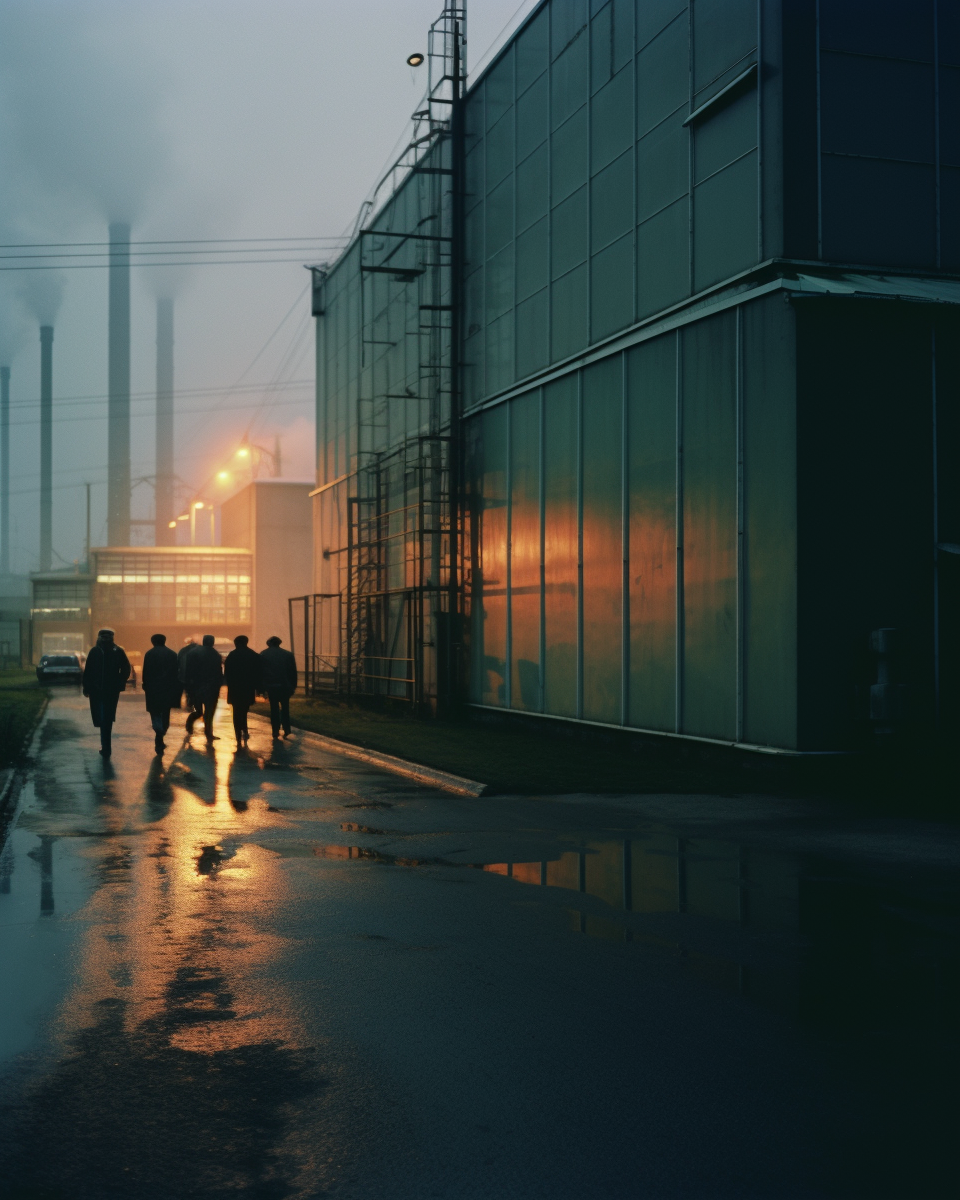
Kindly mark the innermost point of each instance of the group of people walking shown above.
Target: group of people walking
(197, 671)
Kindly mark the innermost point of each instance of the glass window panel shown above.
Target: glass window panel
(602, 650)
(567, 19)
(498, 86)
(611, 205)
(500, 151)
(533, 259)
(533, 333)
(663, 80)
(654, 15)
(724, 32)
(499, 223)
(601, 47)
(500, 354)
(726, 134)
(473, 176)
(532, 50)
(652, 424)
(568, 81)
(568, 160)
(499, 284)
(663, 255)
(490, 582)
(569, 235)
(710, 527)
(533, 188)
(473, 303)
(611, 288)
(568, 315)
(525, 552)
(473, 119)
(663, 166)
(725, 223)
(611, 120)
(533, 118)
(623, 40)
(561, 545)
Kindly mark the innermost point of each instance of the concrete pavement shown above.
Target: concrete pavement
(285, 973)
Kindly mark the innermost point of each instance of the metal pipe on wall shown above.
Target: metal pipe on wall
(46, 447)
(163, 488)
(4, 470)
(118, 388)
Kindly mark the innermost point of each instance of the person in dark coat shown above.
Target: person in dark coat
(182, 653)
(161, 686)
(278, 678)
(204, 679)
(105, 675)
(241, 674)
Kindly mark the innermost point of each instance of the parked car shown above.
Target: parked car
(60, 668)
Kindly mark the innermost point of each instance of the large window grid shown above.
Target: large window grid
(604, 216)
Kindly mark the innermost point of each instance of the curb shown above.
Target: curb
(399, 766)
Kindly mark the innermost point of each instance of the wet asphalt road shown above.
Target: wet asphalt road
(282, 973)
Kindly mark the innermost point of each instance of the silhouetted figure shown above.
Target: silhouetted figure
(279, 680)
(204, 679)
(161, 686)
(105, 676)
(241, 674)
(182, 653)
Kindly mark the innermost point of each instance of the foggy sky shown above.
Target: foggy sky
(199, 119)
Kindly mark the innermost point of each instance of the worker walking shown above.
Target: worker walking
(279, 680)
(204, 679)
(241, 674)
(105, 675)
(161, 687)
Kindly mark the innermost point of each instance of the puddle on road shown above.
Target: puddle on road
(824, 942)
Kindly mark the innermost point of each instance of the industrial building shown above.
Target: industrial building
(637, 384)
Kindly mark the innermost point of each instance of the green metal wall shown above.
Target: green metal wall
(633, 558)
(590, 204)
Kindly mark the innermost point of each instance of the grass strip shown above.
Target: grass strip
(21, 699)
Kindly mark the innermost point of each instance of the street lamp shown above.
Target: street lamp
(414, 60)
(194, 508)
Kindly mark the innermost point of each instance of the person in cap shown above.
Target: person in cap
(105, 675)
(204, 680)
(161, 687)
(241, 674)
(278, 678)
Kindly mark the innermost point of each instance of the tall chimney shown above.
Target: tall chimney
(5, 470)
(163, 488)
(46, 447)
(118, 388)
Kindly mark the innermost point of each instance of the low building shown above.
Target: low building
(182, 591)
(60, 613)
(272, 518)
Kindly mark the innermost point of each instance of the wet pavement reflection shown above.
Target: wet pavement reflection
(277, 972)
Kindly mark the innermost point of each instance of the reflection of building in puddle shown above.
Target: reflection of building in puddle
(807, 938)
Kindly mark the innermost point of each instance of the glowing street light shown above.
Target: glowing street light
(173, 524)
(243, 452)
(223, 476)
(415, 60)
(194, 509)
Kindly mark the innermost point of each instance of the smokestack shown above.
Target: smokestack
(163, 488)
(118, 388)
(46, 447)
(5, 470)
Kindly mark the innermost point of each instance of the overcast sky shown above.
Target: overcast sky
(192, 119)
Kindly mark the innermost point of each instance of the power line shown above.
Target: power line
(259, 404)
(150, 397)
(241, 262)
(168, 242)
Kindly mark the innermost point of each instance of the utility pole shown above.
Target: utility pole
(86, 541)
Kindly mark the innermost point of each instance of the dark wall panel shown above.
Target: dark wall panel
(724, 33)
(878, 107)
(710, 527)
(725, 223)
(894, 28)
(878, 212)
(769, 664)
(663, 258)
(864, 508)
(652, 424)
(561, 545)
(602, 526)
(525, 552)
